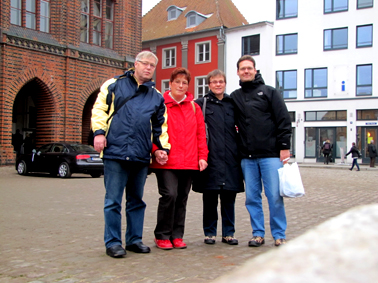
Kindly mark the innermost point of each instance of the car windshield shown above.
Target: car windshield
(82, 148)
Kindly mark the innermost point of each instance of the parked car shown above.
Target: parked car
(61, 159)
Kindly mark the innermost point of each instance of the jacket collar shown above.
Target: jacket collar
(252, 84)
(169, 101)
(210, 95)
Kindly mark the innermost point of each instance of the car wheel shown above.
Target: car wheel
(64, 170)
(95, 174)
(22, 169)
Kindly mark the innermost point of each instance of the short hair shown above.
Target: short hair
(146, 54)
(215, 73)
(353, 143)
(180, 71)
(246, 57)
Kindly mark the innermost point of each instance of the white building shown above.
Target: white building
(320, 54)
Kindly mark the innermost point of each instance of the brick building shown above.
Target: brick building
(54, 56)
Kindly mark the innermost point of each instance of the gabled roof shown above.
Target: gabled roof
(224, 13)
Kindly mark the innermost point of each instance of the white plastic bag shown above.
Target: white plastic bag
(291, 185)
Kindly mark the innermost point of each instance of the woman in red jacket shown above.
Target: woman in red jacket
(187, 136)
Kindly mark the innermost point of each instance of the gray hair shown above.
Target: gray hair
(146, 54)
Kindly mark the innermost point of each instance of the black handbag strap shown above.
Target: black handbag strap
(120, 106)
(204, 108)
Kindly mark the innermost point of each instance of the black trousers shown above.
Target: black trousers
(174, 187)
(210, 212)
(326, 158)
(372, 161)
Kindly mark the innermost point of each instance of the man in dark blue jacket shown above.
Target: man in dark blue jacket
(125, 143)
(265, 129)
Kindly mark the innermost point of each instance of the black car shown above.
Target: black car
(63, 159)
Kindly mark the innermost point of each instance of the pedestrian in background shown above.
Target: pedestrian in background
(326, 147)
(265, 130)
(188, 154)
(125, 143)
(355, 155)
(372, 150)
(223, 177)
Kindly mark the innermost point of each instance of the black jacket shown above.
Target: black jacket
(223, 159)
(262, 118)
(354, 151)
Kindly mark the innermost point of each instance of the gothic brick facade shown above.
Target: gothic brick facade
(49, 80)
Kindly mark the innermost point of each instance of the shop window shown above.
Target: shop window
(333, 6)
(368, 114)
(287, 44)
(286, 9)
(364, 80)
(326, 115)
(335, 39)
(364, 37)
(286, 83)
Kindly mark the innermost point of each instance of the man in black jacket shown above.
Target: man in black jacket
(265, 129)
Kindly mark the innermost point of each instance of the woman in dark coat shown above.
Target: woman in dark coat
(223, 177)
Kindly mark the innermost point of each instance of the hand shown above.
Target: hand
(285, 155)
(202, 164)
(161, 156)
(99, 143)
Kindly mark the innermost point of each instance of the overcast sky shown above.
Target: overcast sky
(244, 6)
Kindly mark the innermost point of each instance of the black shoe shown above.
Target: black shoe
(256, 241)
(116, 251)
(350, 169)
(138, 247)
(230, 240)
(210, 240)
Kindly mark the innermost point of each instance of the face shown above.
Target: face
(246, 71)
(144, 69)
(179, 86)
(217, 85)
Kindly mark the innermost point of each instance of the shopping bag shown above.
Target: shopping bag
(291, 185)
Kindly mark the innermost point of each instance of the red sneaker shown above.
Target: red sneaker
(164, 244)
(178, 244)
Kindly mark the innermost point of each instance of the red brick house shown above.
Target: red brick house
(54, 56)
(189, 34)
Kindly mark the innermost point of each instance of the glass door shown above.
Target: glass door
(368, 134)
(323, 135)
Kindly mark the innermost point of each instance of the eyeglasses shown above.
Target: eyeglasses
(146, 64)
(217, 82)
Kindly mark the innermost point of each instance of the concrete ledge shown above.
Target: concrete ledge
(342, 249)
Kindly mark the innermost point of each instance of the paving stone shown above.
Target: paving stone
(52, 228)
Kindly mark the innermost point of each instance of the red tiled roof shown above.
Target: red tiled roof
(155, 23)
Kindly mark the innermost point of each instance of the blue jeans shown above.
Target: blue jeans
(119, 175)
(259, 172)
(355, 163)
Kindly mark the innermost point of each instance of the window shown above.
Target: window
(194, 19)
(286, 9)
(201, 87)
(292, 116)
(44, 17)
(16, 12)
(370, 114)
(333, 6)
(169, 57)
(364, 80)
(286, 83)
(316, 82)
(24, 13)
(335, 39)
(203, 52)
(251, 45)
(96, 22)
(173, 12)
(364, 4)
(326, 115)
(364, 36)
(164, 85)
(287, 44)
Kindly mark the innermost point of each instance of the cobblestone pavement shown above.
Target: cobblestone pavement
(51, 229)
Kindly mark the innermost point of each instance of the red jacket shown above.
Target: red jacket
(187, 136)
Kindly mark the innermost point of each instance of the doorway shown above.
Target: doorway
(364, 137)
